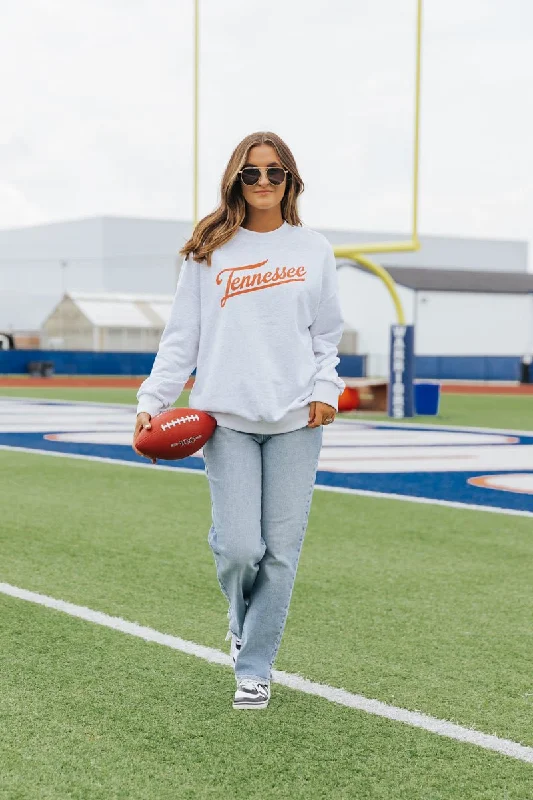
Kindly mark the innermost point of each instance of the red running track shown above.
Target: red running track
(66, 382)
(134, 383)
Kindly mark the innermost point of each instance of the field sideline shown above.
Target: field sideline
(421, 607)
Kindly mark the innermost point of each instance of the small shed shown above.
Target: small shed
(106, 322)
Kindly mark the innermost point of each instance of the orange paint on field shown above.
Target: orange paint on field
(502, 483)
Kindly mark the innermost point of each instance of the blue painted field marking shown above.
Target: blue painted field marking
(406, 460)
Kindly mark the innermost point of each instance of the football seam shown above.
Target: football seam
(179, 420)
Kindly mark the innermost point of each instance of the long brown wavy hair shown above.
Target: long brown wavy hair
(220, 226)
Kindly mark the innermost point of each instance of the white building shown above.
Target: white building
(106, 322)
(39, 264)
(100, 254)
(455, 312)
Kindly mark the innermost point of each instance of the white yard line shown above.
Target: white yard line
(414, 718)
(343, 489)
(121, 461)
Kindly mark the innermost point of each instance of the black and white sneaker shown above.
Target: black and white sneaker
(251, 694)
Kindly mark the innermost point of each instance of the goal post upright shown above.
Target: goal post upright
(401, 358)
(355, 250)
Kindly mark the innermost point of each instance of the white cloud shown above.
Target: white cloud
(97, 117)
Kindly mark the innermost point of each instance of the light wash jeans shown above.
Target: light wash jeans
(261, 490)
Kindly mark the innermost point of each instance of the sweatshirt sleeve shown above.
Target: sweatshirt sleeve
(178, 348)
(326, 331)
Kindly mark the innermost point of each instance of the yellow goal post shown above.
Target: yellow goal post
(359, 252)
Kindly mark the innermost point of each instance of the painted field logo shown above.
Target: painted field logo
(472, 468)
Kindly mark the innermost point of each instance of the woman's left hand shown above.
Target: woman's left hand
(320, 414)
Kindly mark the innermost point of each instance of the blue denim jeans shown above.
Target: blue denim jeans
(261, 490)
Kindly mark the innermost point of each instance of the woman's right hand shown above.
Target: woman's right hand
(143, 421)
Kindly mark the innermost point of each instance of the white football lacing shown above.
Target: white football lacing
(179, 420)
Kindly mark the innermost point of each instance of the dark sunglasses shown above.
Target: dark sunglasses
(250, 175)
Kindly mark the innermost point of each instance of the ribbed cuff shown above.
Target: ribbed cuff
(326, 392)
(150, 404)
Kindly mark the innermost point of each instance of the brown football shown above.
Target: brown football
(176, 433)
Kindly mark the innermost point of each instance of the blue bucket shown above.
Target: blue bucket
(427, 398)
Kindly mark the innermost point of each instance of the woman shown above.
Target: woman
(257, 312)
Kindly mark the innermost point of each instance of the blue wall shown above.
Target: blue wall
(70, 362)
(476, 368)
(352, 366)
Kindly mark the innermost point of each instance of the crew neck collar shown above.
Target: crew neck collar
(283, 228)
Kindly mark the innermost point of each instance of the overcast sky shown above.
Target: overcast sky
(96, 112)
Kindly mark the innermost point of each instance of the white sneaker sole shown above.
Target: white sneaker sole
(262, 704)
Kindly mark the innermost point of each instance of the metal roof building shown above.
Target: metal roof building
(106, 321)
(455, 280)
(455, 312)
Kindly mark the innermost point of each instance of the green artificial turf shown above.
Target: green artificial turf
(92, 714)
(496, 411)
(424, 607)
(513, 412)
(79, 393)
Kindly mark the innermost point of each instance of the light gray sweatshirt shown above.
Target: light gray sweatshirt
(261, 325)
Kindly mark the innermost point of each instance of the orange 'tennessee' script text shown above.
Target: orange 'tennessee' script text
(241, 284)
